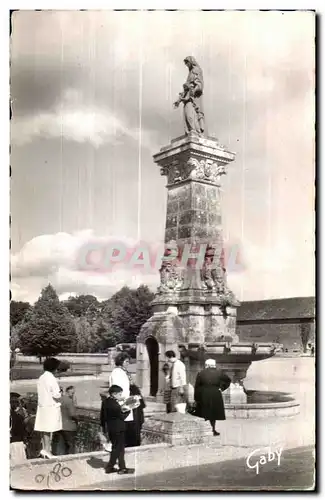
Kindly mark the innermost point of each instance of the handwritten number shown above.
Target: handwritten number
(55, 473)
(66, 472)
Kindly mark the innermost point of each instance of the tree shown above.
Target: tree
(103, 336)
(93, 313)
(130, 309)
(305, 331)
(18, 311)
(48, 328)
(83, 334)
(79, 305)
(95, 337)
(14, 336)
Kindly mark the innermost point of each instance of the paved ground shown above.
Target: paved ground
(295, 472)
(217, 466)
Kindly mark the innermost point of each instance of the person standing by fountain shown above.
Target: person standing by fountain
(207, 394)
(166, 388)
(177, 383)
(120, 376)
(48, 416)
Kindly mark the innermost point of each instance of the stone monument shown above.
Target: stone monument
(194, 311)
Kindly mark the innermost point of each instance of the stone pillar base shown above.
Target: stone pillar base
(177, 429)
(17, 453)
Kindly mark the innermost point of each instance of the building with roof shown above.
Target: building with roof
(278, 320)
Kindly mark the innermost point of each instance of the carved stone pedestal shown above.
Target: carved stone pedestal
(177, 429)
(193, 285)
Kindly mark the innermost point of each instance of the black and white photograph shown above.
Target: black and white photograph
(162, 250)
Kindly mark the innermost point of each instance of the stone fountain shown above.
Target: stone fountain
(194, 311)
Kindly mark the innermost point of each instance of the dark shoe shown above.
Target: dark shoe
(215, 433)
(126, 471)
(110, 470)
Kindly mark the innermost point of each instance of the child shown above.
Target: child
(112, 421)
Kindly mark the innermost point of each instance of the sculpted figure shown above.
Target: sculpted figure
(206, 274)
(218, 276)
(191, 97)
(170, 273)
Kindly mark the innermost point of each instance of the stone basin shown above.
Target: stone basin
(264, 404)
(234, 359)
(239, 350)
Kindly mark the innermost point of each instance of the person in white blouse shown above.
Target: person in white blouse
(48, 415)
(121, 377)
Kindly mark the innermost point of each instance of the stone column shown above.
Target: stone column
(192, 291)
(193, 166)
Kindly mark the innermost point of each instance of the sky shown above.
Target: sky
(92, 96)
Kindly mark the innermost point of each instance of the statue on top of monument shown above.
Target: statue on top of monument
(191, 97)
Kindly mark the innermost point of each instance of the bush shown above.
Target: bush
(87, 438)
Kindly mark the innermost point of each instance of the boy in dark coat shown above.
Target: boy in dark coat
(209, 384)
(112, 421)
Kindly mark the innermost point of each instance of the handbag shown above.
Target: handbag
(191, 409)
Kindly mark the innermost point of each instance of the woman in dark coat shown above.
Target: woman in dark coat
(133, 429)
(207, 394)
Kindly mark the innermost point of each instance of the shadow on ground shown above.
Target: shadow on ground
(296, 472)
(96, 463)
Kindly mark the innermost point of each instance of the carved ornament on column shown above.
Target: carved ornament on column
(205, 169)
(197, 169)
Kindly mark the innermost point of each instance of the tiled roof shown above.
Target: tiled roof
(296, 307)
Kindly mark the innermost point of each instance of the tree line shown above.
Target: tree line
(79, 324)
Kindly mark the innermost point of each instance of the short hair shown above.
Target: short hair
(170, 354)
(115, 389)
(120, 358)
(70, 387)
(51, 364)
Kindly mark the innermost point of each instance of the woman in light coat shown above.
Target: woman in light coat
(48, 415)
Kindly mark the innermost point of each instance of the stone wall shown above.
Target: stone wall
(75, 358)
(287, 334)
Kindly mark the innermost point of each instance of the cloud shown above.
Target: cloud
(103, 52)
(72, 120)
(80, 75)
(55, 259)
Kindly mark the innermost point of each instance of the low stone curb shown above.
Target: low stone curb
(89, 454)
